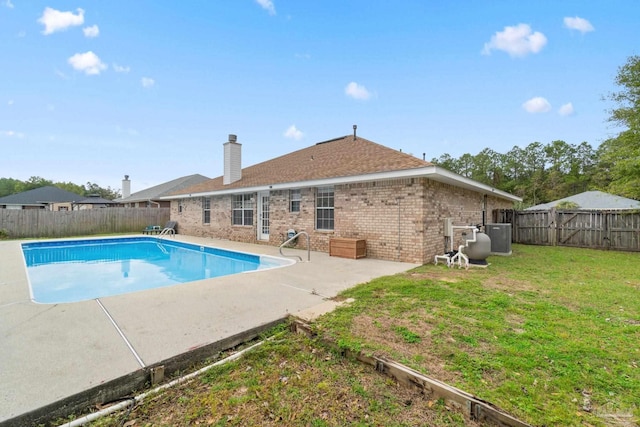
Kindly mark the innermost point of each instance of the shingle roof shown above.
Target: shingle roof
(94, 200)
(155, 192)
(39, 196)
(340, 157)
(592, 200)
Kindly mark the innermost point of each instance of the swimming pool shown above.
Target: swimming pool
(65, 271)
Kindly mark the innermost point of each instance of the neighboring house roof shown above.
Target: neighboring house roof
(336, 161)
(158, 191)
(592, 200)
(94, 200)
(40, 196)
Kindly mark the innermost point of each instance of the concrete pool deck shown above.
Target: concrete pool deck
(51, 351)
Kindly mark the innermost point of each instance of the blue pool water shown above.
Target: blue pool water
(77, 270)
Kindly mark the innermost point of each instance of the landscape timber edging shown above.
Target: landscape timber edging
(469, 405)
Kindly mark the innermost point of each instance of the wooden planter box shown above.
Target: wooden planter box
(347, 248)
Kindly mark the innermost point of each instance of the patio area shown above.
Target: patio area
(51, 351)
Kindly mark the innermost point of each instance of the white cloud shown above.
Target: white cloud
(356, 91)
(21, 34)
(268, 6)
(303, 56)
(55, 20)
(579, 24)
(10, 102)
(12, 134)
(92, 31)
(293, 133)
(87, 62)
(121, 68)
(8, 4)
(566, 109)
(147, 82)
(516, 41)
(537, 105)
(128, 131)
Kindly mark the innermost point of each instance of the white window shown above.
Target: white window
(294, 200)
(242, 209)
(324, 208)
(206, 210)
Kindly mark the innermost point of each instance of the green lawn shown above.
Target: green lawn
(551, 335)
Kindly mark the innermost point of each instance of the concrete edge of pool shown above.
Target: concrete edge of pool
(51, 352)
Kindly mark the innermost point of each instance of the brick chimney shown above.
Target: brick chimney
(232, 161)
(126, 187)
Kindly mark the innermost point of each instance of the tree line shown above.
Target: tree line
(10, 186)
(540, 173)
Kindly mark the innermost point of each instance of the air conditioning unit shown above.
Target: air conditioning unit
(500, 235)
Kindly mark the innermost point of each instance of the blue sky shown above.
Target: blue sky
(93, 90)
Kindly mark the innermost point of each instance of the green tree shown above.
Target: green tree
(627, 112)
(9, 186)
(619, 157)
(620, 161)
(32, 183)
(559, 156)
(486, 167)
(514, 171)
(106, 193)
(447, 162)
(465, 165)
(70, 186)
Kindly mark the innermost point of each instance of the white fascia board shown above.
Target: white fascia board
(447, 177)
(431, 172)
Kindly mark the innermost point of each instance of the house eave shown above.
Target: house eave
(434, 173)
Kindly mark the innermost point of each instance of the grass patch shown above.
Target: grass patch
(551, 335)
(407, 335)
(289, 381)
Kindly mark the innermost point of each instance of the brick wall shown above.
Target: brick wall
(401, 219)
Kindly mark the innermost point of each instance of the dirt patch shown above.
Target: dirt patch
(382, 331)
(515, 323)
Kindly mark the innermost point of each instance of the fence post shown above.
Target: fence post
(553, 226)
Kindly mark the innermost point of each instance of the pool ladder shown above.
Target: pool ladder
(292, 239)
(167, 232)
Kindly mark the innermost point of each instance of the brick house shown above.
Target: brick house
(344, 187)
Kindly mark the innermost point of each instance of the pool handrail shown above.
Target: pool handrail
(292, 239)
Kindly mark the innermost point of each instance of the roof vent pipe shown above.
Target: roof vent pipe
(354, 131)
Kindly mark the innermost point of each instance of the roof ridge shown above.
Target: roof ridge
(332, 140)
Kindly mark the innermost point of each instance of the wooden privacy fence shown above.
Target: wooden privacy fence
(598, 229)
(43, 223)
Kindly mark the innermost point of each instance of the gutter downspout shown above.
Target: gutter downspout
(399, 232)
